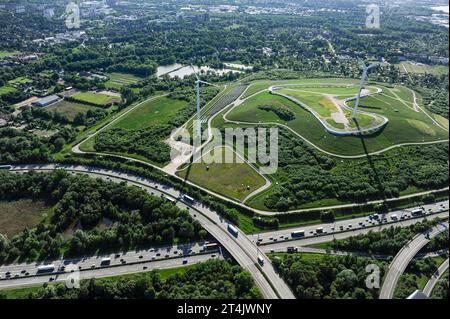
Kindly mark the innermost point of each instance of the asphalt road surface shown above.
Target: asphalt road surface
(24, 281)
(254, 245)
(243, 250)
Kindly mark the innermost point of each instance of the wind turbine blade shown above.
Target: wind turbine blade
(195, 72)
(208, 83)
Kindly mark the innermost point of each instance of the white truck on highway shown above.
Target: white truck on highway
(188, 199)
(46, 268)
(298, 233)
(417, 211)
(233, 230)
(105, 262)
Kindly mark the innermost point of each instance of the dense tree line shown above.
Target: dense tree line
(80, 205)
(213, 279)
(388, 241)
(17, 146)
(409, 281)
(327, 276)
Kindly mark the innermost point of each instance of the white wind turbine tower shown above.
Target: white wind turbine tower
(361, 85)
(199, 124)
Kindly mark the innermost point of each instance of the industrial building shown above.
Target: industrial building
(45, 101)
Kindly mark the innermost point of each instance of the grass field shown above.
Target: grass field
(6, 90)
(409, 67)
(16, 216)
(5, 54)
(405, 124)
(264, 85)
(94, 98)
(118, 80)
(21, 79)
(156, 111)
(69, 109)
(236, 180)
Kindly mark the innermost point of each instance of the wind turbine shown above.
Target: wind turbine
(197, 85)
(361, 84)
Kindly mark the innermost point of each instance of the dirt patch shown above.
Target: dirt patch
(16, 216)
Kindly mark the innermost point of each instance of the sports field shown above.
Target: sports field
(69, 109)
(98, 99)
(235, 181)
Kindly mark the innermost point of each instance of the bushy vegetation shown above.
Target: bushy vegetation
(327, 276)
(149, 141)
(441, 289)
(282, 112)
(306, 175)
(145, 142)
(17, 146)
(214, 279)
(418, 272)
(129, 217)
(388, 241)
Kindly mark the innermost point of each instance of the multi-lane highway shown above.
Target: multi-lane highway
(354, 226)
(404, 257)
(99, 272)
(179, 252)
(243, 250)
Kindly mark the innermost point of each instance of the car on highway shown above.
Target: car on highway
(260, 260)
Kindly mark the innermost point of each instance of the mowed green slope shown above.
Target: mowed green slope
(233, 180)
(405, 124)
(157, 111)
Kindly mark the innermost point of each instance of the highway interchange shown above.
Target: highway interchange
(244, 249)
